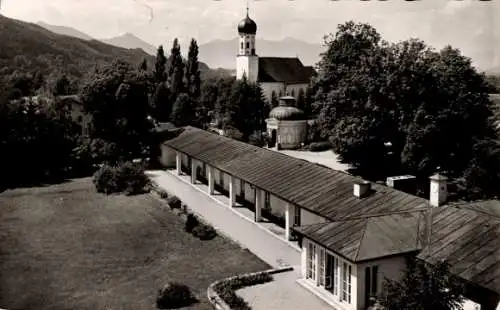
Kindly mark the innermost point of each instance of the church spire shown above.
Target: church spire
(248, 5)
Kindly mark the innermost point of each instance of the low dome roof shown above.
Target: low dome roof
(247, 26)
(284, 112)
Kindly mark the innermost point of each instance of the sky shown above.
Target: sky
(471, 25)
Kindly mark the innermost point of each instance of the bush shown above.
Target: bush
(135, 181)
(204, 232)
(174, 295)
(174, 202)
(126, 177)
(106, 180)
(191, 223)
(226, 289)
(320, 146)
(163, 194)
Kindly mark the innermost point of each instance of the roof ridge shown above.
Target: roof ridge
(307, 162)
(361, 239)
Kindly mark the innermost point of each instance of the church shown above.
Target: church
(283, 76)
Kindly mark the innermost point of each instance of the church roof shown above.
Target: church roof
(285, 70)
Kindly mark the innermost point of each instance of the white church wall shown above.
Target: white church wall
(248, 65)
(268, 88)
(294, 89)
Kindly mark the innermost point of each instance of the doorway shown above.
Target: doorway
(272, 142)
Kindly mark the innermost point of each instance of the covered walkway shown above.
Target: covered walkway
(238, 223)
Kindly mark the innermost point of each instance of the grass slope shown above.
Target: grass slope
(67, 247)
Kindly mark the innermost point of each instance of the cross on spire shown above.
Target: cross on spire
(247, 6)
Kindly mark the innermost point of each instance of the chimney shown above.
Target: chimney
(361, 189)
(404, 183)
(439, 190)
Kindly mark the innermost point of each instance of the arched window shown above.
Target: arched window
(281, 93)
(293, 92)
(248, 44)
(242, 46)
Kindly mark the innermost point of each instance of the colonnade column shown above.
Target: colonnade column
(210, 180)
(232, 192)
(193, 171)
(289, 211)
(259, 202)
(178, 162)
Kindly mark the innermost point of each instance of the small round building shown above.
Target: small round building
(286, 125)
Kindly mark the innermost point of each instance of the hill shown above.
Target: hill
(129, 40)
(222, 53)
(29, 47)
(68, 31)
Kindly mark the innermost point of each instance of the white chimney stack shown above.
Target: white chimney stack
(361, 189)
(439, 190)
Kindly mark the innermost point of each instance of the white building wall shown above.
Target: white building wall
(268, 88)
(308, 218)
(333, 299)
(167, 156)
(278, 206)
(293, 89)
(248, 65)
(291, 134)
(249, 193)
(392, 268)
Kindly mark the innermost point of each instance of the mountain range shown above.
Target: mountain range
(216, 53)
(29, 47)
(222, 53)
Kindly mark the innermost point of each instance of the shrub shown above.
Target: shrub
(106, 180)
(174, 202)
(319, 146)
(126, 177)
(135, 181)
(204, 232)
(226, 289)
(191, 223)
(174, 295)
(163, 194)
(184, 208)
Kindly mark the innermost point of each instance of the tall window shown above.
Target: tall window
(221, 178)
(242, 45)
(371, 283)
(268, 201)
(311, 261)
(336, 276)
(346, 282)
(322, 266)
(248, 44)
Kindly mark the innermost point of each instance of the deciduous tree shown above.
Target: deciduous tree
(423, 287)
(430, 107)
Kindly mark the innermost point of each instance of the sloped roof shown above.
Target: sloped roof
(285, 70)
(316, 188)
(469, 241)
(369, 238)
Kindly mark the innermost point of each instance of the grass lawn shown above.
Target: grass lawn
(66, 247)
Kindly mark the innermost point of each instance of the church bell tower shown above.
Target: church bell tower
(247, 61)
